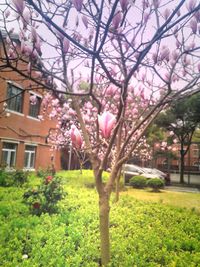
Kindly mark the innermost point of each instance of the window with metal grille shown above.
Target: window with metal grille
(15, 98)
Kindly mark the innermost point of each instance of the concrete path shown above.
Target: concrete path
(182, 189)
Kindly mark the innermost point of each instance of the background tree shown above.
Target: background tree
(121, 49)
(182, 119)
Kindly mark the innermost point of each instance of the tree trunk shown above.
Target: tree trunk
(104, 228)
(117, 185)
(117, 189)
(182, 166)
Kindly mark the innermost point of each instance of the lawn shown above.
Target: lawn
(176, 199)
(144, 231)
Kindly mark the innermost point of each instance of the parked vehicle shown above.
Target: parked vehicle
(130, 170)
(159, 174)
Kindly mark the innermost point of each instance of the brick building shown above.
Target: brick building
(191, 159)
(23, 137)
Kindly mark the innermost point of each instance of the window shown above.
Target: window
(29, 159)
(9, 154)
(195, 153)
(15, 98)
(34, 108)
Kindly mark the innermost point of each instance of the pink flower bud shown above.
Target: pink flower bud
(78, 4)
(26, 16)
(106, 123)
(197, 16)
(193, 25)
(164, 54)
(198, 66)
(124, 4)
(19, 5)
(85, 21)
(29, 68)
(65, 45)
(116, 20)
(166, 13)
(191, 5)
(146, 17)
(7, 13)
(76, 138)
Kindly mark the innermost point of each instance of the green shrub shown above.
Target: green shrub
(19, 177)
(5, 179)
(45, 197)
(14, 178)
(138, 181)
(45, 172)
(156, 184)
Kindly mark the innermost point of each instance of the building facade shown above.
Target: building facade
(171, 159)
(24, 137)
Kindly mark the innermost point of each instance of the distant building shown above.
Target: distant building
(23, 137)
(192, 158)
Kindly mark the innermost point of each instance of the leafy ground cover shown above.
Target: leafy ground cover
(143, 233)
(176, 199)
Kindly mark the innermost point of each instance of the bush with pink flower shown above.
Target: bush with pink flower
(44, 199)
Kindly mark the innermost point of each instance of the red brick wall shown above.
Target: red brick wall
(22, 129)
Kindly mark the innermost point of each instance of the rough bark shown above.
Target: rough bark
(117, 186)
(182, 165)
(104, 228)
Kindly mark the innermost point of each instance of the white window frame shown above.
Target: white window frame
(9, 150)
(30, 153)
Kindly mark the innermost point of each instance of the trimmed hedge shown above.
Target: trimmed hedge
(155, 183)
(138, 181)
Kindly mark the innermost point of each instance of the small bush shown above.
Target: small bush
(45, 197)
(19, 177)
(138, 181)
(156, 184)
(5, 178)
(45, 172)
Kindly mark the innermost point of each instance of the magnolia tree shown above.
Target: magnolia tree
(110, 67)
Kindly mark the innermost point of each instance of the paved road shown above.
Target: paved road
(182, 189)
(192, 179)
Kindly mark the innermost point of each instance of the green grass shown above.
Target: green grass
(143, 232)
(176, 199)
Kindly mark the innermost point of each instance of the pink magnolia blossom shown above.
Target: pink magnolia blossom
(78, 4)
(76, 137)
(33, 99)
(106, 123)
(164, 144)
(40, 117)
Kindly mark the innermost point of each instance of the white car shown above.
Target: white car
(130, 170)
